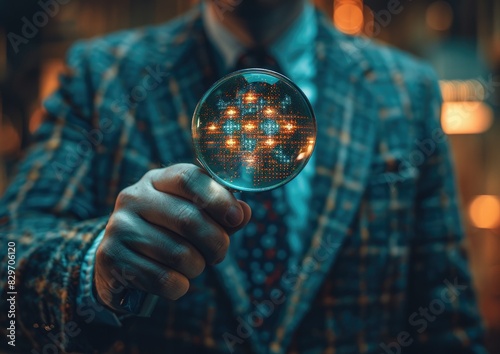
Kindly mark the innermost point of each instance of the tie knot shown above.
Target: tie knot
(257, 57)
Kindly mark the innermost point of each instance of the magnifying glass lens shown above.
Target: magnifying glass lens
(254, 130)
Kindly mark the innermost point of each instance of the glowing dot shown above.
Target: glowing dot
(231, 112)
(484, 211)
(230, 142)
(289, 126)
(269, 111)
(250, 160)
(212, 127)
(250, 97)
(249, 126)
(270, 142)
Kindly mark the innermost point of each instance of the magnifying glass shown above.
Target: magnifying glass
(254, 130)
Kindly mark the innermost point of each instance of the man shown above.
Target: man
(362, 253)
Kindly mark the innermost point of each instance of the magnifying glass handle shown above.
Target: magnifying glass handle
(139, 302)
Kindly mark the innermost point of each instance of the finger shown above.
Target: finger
(158, 279)
(187, 220)
(166, 248)
(131, 270)
(192, 183)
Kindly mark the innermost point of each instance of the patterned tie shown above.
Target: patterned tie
(264, 250)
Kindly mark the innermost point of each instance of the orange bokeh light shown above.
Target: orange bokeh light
(348, 16)
(466, 117)
(462, 90)
(11, 141)
(484, 212)
(49, 80)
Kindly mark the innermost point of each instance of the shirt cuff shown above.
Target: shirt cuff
(88, 306)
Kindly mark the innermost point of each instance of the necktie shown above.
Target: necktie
(264, 250)
(257, 57)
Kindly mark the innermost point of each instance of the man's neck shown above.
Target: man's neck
(254, 28)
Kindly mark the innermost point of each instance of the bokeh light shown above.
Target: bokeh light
(348, 16)
(439, 16)
(484, 212)
(462, 90)
(464, 110)
(466, 117)
(50, 77)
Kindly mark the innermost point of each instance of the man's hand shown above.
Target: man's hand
(164, 230)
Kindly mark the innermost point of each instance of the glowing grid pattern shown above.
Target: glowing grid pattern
(254, 130)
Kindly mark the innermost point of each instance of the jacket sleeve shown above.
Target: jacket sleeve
(443, 315)
(51, 213)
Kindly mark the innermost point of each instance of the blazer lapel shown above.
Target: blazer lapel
(346, 117)
(189, 72)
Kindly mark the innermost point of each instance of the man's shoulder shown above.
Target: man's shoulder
(394, 77)
(145, 36)
(130, 49)
(388, 62)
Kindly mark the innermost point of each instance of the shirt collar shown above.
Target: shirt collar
(291, 45)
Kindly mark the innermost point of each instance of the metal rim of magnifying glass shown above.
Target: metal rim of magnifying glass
(198, 153)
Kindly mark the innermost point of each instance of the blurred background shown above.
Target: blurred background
(460, 38)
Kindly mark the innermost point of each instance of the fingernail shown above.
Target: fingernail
(234, 216)
(219, 260)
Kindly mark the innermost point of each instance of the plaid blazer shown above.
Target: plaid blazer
(384, 273)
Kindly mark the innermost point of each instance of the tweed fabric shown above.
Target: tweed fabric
(385, 225)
